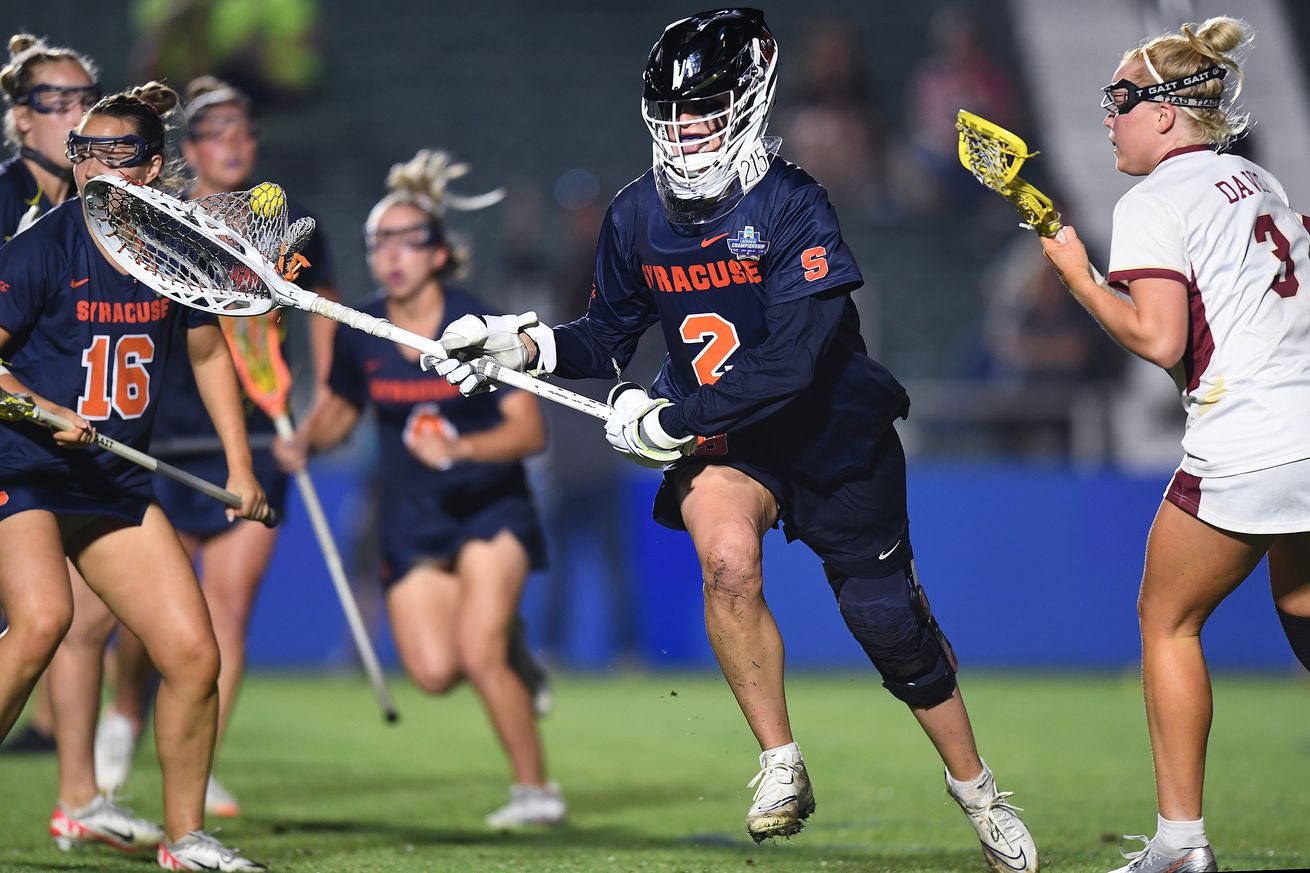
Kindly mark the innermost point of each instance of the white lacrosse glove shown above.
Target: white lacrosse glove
(496, 337)
(634, 427)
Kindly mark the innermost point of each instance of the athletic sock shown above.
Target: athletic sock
(788, 754)
(975, 791)
(1176, 837)
(1297, 629)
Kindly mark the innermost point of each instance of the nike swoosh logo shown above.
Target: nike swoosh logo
(372, 366)
(127, 838)
(1014, 862)
(706, 243)
(78, 283)
(883, 556)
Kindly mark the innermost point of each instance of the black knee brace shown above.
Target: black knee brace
(1297, 629)
(891, 620)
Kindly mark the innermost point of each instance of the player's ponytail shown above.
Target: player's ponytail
(1216, 42)
(422, 182)
(26, 54)
(149, 108)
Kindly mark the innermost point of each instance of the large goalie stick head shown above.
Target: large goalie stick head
(217, 254)
(994, 155)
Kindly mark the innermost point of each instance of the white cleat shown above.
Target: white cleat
(1006, 843)
(115, 745)
(530, 805)
(783, 800)
(1154, 860)
(219, 801)
(200, 851)
(102, 821)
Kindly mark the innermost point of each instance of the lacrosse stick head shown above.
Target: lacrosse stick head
(220, 261)
(16, 407)
(256, 345)
(994, 155)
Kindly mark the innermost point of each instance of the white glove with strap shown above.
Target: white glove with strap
(496, 337)
(634, 428)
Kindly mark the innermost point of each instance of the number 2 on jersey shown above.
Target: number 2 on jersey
(125, 374)
(723, 341)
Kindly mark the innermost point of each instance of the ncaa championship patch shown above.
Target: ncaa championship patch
(747, 244)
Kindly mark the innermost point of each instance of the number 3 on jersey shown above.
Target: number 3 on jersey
(129, 379)
(723, 341)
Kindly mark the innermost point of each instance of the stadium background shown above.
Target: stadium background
(1038, 452)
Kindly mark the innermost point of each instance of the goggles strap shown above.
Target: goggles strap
(1183, 103)
(59, 172)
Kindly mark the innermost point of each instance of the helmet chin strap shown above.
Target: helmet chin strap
(60, 172)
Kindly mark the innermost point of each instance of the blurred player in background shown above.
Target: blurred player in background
(1212, 257)
(87, 341)
(459, 531)
(46, 91)
(737, 254)
(220, 146)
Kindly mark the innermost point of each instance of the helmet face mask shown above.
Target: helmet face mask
(709, 87)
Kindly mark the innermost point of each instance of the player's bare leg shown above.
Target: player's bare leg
(1289, 574)
(422, 608)
(947, 725)
(34, 593)
(727, 514)
(1190, 568)
(145, 577)
(492, 574)
(74, 680)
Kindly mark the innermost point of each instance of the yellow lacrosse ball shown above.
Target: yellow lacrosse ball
(267, 199)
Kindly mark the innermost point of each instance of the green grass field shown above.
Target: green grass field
(655, 769)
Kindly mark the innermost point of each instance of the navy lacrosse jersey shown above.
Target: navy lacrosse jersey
(763, 339)
(421, 506)
(88, 338)
(19, 194)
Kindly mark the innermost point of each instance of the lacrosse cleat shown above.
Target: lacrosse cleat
(200, 851)
(784, 799)
(1006, 843)
(102, 821)
(115, 746)
(1152, 859)
(219, 801)
(530, 805)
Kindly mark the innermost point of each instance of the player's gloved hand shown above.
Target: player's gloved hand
(499, 337)
(634, 427)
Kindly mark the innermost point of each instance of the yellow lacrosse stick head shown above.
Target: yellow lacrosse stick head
(994, 155)
(256, 346)
(16, 407)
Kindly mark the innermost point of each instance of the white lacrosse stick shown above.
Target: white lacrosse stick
(220, 257)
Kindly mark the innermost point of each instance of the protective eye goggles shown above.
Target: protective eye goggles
(116, 152)
(51, 99)
(414, 237)
(1123, 95)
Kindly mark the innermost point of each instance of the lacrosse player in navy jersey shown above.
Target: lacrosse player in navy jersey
(458, 527)
(46, 90)
(220, 146)
(86, 341)
(767, 408)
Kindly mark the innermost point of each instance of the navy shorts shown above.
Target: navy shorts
(201, 515)
(858, 526)
(439, 536)
(20, 495)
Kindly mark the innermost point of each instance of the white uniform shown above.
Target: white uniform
(1222, 226)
